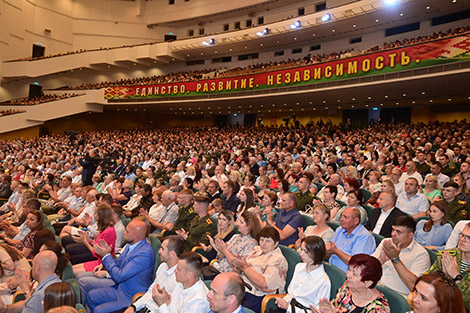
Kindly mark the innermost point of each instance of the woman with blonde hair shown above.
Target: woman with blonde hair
(431, 189)
(236, 178)
(225, 231)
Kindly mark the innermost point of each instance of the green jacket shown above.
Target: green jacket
(464, 284)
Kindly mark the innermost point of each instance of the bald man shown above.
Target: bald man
(43, 270)
(132, 271)
(226, 293)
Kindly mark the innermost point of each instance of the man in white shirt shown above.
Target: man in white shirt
(190, 294)
(86, 212)
(453, 240)
(436, 168)
(227, 293)
(171, 249)
(396, 175)
(411, 172)
(410, 201)
(402, 258)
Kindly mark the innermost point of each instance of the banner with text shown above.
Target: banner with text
(421, 55)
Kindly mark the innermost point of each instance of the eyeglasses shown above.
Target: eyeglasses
(463, 236)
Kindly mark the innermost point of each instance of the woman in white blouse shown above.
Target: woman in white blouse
(310, 283)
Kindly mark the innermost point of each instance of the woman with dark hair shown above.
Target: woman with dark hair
(247, 200)
(434, 233)
(82, 254)
(41, 237)
(276, 178)
(355, 198)
(34, 221)
(436, 293)
(240, 245)
(62, 257)
(282, 187)
(264, 269)
(349, 185)
(225, 232)
(310, 283)
(358, 293)
(269, 202)
(329, 198)
(59, 294)
(331, 169)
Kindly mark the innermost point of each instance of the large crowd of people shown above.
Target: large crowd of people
(10, 112)
(40, 99)
(386, 205)
(269, 66)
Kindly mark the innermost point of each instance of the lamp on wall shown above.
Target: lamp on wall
(47, 31)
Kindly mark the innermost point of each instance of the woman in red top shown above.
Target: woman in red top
(104, 220)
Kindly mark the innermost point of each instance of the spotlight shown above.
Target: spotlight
(389, 2)
(326, 17)
(212, 41)
(296, 25)
(263, 33)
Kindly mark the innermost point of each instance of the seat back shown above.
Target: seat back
(125, 220)
(292, 257)
(333, 225)
(378, 239)
(432, 255)
(337, 278)
(368, 209)
(67, 272)
(76, 288)
(156, 244)
(366, 193)
(397, 302)
(308, 220)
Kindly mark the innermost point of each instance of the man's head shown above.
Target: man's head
(464, 242)
(31, 205)
(212, 187)
(396, 174)
(288, 201)
(450, 190)
(65, 181)
(420, 156)
(335, 180)
(146, 190)
(403, 229)
(168, 197)
(226, 293)
(44, 265)
(411, 186)
(201, 203)
(410, 167)
(387, 201)
(464, 168)
(303, 184)
(444, 160)
(171, 249)
(189, 268)
(350, 218)
(367, 165)
(435, 168)
(136, 230)
(228, 188)
(91, 195)
(185, 198)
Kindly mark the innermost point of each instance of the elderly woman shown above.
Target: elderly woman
(264, 270)
(435, 293)
(310, 283)
(358, 293)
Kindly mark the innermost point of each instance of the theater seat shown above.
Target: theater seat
(398, 303)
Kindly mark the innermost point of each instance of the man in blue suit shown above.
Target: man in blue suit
(226, 293)
(132, 271)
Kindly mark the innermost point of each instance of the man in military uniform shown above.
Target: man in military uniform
(200, 226)
(421, 166)
(304, 196)
(448, 168)
(458, 210)
(185, 213)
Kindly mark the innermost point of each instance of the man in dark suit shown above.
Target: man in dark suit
(381, 218)
(132, 271)
(226, 293)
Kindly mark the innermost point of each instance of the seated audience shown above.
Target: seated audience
(382, 217)
(410, 201)
(458, 210)
(358, 293)
(402, 258)
(225, 232)
(435, 293)
(355, 200)
(350, 238)
(264, 269)
(434, 233)
(310, 283)
(288, 220)
(321, 214)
